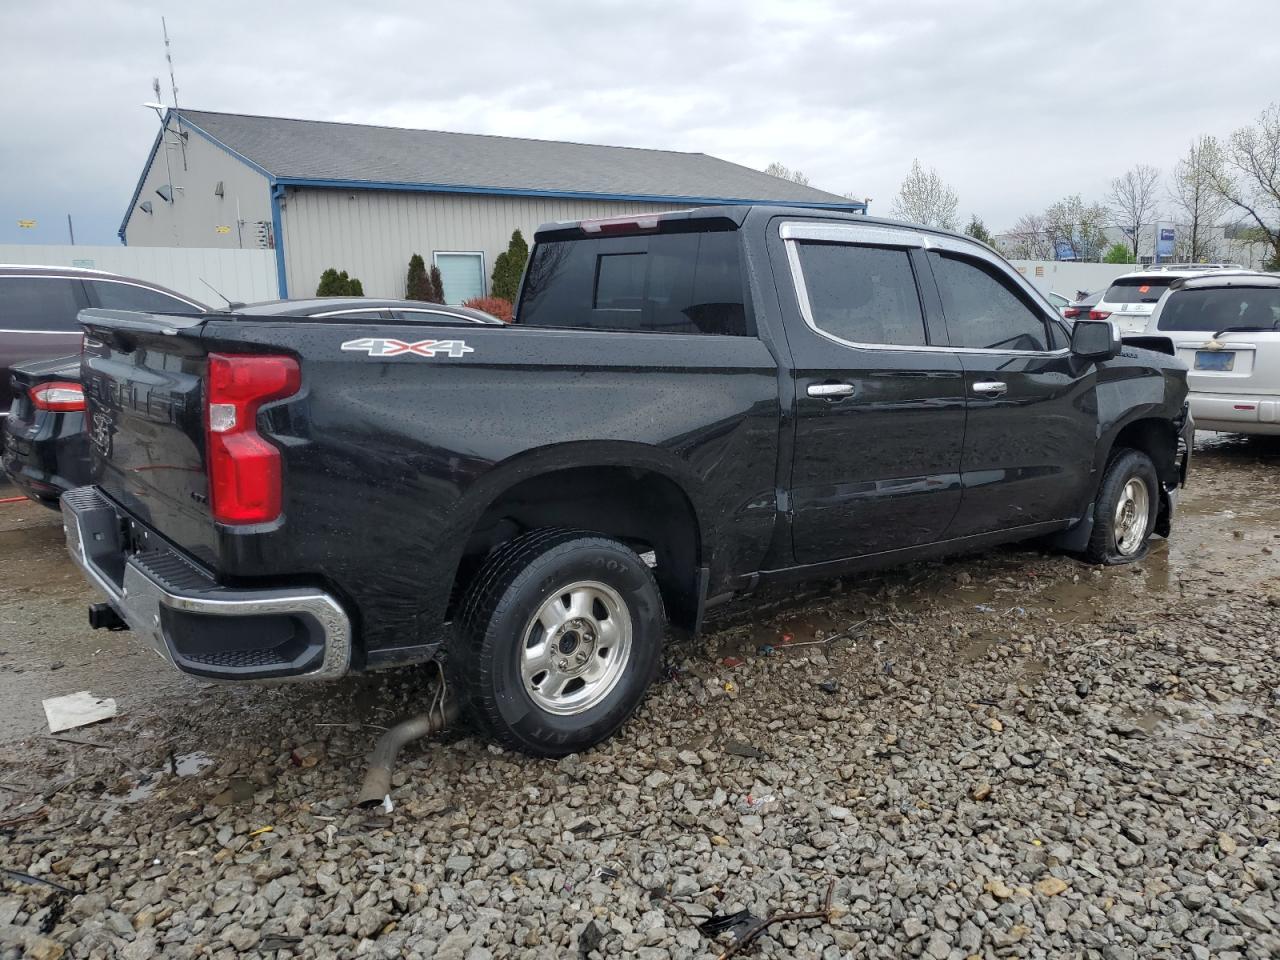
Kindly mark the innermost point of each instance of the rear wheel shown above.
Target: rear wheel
(1125, 510)
(561, 636)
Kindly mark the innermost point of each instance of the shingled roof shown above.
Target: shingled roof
(351, 153)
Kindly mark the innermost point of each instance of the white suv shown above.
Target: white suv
(1132, 297)
(1226, 327)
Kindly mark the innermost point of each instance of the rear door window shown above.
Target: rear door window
(1217, 309)
(1137, 289)
(112, 295)
(862, 294)
(984, 310)
(40, 303)
(667, 283)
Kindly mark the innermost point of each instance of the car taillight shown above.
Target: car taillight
(244, 469)
(1099, 314)
(61, 395)
(1072, 313)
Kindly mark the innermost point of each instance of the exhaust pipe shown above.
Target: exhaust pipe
(377, 779)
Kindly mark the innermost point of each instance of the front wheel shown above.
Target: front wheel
(1126, 508)
(561, 637)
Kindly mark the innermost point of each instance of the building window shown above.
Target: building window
(461, 275)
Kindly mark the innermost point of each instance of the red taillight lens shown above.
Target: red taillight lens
(1099, 314)
(60, 395)
(244, 469)
(1072, 313)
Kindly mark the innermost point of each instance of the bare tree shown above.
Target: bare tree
(925, 199)
(784, 172)
(1082, 225)
(1132, 202)
(1028, 239)
(1250, 177)
(1200, 204)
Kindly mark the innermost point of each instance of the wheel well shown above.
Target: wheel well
(1158, 440)
(645, 510)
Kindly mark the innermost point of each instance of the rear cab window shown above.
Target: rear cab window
(686, 283)
(46, 304)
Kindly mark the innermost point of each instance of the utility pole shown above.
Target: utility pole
(71, 231)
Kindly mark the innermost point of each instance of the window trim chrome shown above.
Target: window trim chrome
(344, 312)
(792, 232)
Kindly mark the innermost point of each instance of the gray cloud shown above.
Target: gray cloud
(1015, 104)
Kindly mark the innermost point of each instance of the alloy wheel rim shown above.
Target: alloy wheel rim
(576, 647)
(1133, 513)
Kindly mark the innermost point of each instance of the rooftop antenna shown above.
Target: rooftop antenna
(173, 88)
(168, 55)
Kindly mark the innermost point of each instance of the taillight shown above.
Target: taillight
(1099, 314)
(1072, 313)
(59, 395)
(244, 469)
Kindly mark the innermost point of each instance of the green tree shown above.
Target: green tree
(1117, 253)
(978, 230)
(508, 268)
(417, 284)
(329, 284)
(437, 285)
(335, 284)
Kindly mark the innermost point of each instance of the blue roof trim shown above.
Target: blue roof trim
(557, 194)
(137, 191)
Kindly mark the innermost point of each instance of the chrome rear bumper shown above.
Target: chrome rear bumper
(200, 627)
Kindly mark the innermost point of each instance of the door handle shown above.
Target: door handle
(991, 388)
(830, 391)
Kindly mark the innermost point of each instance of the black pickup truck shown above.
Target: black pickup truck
(687, 406)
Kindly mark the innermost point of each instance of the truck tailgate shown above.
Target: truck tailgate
(143, 378)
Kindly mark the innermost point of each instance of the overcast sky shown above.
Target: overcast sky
(1015, 104)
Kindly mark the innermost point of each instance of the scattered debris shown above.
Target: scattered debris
(738, 748)
(77, 710)
(761, 804)
(761, 926)
(21, 877)
(733, 923)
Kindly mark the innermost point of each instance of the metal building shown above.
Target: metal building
(364, 199)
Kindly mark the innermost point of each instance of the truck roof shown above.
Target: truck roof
(732, 216)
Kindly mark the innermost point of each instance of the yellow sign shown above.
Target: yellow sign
(26, 224)
(221, 228)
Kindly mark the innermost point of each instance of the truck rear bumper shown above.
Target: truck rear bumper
(200, 627)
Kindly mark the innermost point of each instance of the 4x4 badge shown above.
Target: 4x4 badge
(380, 347)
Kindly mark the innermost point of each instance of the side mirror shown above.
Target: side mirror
(1095, 340)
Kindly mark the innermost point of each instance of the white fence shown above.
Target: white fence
(1067, 278)
(242, 275)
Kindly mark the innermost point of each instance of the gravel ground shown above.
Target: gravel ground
(1013, 755)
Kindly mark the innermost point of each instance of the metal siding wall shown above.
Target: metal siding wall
(244, 275)
(371, 234)
(190, 220)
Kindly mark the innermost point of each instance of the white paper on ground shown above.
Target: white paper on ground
(77, 710)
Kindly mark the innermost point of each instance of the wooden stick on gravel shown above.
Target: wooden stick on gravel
(824, 914)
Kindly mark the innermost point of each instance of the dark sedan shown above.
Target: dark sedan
(46, 448)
